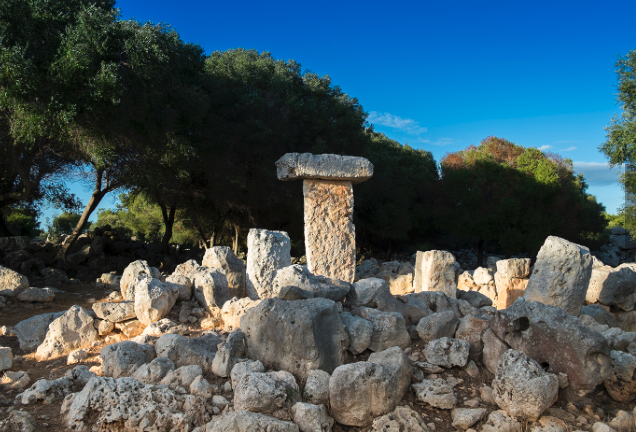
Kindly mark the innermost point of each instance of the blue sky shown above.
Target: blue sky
(442, 75)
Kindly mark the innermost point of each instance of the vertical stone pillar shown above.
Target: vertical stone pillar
(327, 188)
(330, 237)
(267, 251)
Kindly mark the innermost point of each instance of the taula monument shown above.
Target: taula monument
(327, 187)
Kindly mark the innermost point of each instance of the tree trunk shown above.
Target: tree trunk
(96, 198)
(235, 240)
(480, 253)
(168, 222)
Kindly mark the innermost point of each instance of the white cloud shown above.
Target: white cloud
(445, 141)
(545, 147)
(407, 125)
(597, 173)
(565, 142)
(569, 149)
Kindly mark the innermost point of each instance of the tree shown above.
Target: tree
(515, 197)
(620, 145)
(64, 223)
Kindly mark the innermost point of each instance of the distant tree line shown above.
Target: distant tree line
(192, 140)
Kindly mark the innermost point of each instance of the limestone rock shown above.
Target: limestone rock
(364, 292)
(599, 314)
(12, 283)
(182, 377)
(561, 275)
(401, 284)
(435, 271)
(620, 384)
(311, 418)
(358, 392)
(476, 299)
(483, 276)
(500, 421)
(549, 335)
(37, 295)
(131, 273)
(115, 311)
(320, 286)
(550, 424)
(222, 258)
(508, 289)
(15, 380)
(471, 330)
(130, 328)
(31, 332)
(402, 419)
(188, 269)
(493, 349)
(317, 388)
(435, 392)
(233, 311)
(267, 251)
(518, 268)
(153, 299)
(119, 358)
(465, 282)
(613, 286)
(183, 351)
(19, 421)
(155, 371)
(6, 358)
(229, 354)
(447, 352)
(263, 392)
(70, 331)
(522, 388)
(183, 283)
(463, 418)
(132, 406)
(14, 243)
(437, 325)
(211, 289)
(389, 329)
(294, 166)
(297, 336)
(359, 330)
(329, 231)
(245, 421)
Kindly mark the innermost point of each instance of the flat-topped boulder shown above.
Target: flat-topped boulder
(294, 166)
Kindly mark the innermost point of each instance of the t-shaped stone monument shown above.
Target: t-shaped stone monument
(330, 238)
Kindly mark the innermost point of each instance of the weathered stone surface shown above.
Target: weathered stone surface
(561, 275)
(358, 392)
(233, 311)
(155, 371)
(435, 392)
(130, 328)
(389, 329)
(115, 311)
(599, 314)
(465, 282)
(476, 299)
(131, 273)
(12, 283)
(311, 418)
(229, 354)
(31, 332)
(264, 392)
(222, 258)
(435, 271)
(120, 358)
(182, 377)
(508, 289)
(620, 384)
(386, 302)
(550, 424)
(471, 330)
(132, 406)
(70, 331)
(320, 286)
(184, 352)
(493, 349)
(19, 421)
(267, 251)
(296, 336)
(518, 268)
(330, 241)
(437, 325)
(211, 289)
(245, 421)
(153, 299)
(316, 389)
(183, 283)
(500, 421)
(401, 284)
(522, 388)
(613, 286)
(6, 358)
(37, 295)
(447, 352)
(359, 330)
(14, 243)
(551, 336)
(294, 166)
(15, 380)
(463, 418)
(188, 269)
(364, 292)
(402, 419)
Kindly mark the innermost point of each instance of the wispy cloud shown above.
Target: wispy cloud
(445, 141)
(545, 147)
(568, 149)
(597, 173)
(565, 142)
(406, 125)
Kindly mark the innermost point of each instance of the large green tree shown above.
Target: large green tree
(620, 145)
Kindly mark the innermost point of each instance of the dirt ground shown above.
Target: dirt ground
(600, 406)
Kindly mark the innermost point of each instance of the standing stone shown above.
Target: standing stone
(330, 236)
(267, 251)
(561, 275)
(154, 299)
(223, 258)
(435, 271)
(511, 281)
(129, 278)
(327, 188)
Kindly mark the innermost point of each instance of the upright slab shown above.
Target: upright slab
(267, 251)
(330, 237)
(329, 231)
